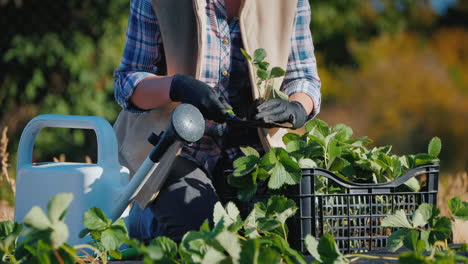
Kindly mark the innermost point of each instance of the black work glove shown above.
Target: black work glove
(281, 111)
(188, 90)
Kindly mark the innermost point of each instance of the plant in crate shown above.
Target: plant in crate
(330, 148)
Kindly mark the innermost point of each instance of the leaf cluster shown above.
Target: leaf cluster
(107, 236)
(260, 238)
(427, 231)
(44, 239)
(330, 148)
(265, 77)
(276, 168)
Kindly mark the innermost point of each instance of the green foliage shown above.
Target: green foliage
(44, 240)
(331, 148)
(426, 229)
(458, 208)
(107, 236)
(9, 234)
(264, 240)
(260, 238)
(264, 79)
(62, 65)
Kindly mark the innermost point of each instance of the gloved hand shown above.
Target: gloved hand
(281, 111)
(188, 90)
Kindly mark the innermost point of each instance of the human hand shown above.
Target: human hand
(188, 90)
(281, 111)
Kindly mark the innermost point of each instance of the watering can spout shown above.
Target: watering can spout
(185, 126)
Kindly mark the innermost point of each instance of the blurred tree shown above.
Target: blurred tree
(58, 57)
(407, 89)
(335, 22)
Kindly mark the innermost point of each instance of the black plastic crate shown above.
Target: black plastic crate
(354, 216)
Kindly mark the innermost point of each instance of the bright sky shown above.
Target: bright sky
(441, 6)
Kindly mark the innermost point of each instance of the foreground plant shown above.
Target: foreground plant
(44, 239)
(260, 238)
(427, 231)
(107, 236)
(265, 77)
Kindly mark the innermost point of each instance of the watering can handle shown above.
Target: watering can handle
(106, 139)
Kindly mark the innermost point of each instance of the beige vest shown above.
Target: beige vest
(266, 24)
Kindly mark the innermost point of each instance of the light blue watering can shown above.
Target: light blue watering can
(106, 184)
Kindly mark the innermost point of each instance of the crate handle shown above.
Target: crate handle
(393, 184)
(106, 139)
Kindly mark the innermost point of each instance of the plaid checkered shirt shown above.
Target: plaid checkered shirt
(143, 49)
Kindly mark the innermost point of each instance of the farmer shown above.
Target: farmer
(189, 51)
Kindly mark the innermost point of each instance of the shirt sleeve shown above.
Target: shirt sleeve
(141, 53)
(301, 73)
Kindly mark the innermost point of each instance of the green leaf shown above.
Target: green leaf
(59, 234)
(155, 252)
(277, 72)
(250, 252)
(411, 239)
(307, 163)
(168, 247)
(259, 55)
(435, 145)
(424, 159)
(328, 250)
(116, 254)
(58, 206)
(213, 256)
(9, 228)
(246, 55)
(84, 233)
(229, 215)
(338, 164)
(296, 145)
(425, 234)
(251, 222)
(245, 165)
(278, 177)
(312, 244)
(413, 184)
(398, 219)
(94, 219)
(333, 151)
(281, 208)
(262, 74)
(263, 65)
(441, 230)
(420, 246)
(411, 258)
(290, 137)
(458, 208)
(395, 240)
(249, 151)
(37, 219)
(113, 237)
(422, 215)
(284, 171)
(320, 125)
(278, 94)
(344, 132)
(230, 243)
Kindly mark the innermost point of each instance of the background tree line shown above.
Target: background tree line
(393, 70)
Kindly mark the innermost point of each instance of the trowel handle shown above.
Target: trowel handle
(106, 139)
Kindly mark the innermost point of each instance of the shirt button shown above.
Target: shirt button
(226, 41)
(224, 73)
